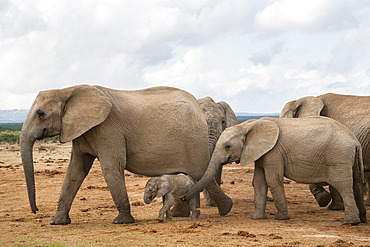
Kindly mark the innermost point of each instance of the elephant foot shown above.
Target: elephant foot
(335, 206)
(195, 215)
(351, 220)
(323, 198)
(60, 219)
(224, 207)
(282, 216)
(162, 219)
(258, 216)
(123, 219)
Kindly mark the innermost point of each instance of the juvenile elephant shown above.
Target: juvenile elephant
(219, 116)
(351, 111)
(153, 131)
(309, 150)
(170, 187)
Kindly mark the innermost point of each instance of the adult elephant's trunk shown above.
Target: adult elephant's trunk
(208, 176)
(27, 160)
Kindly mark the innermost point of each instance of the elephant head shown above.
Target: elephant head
(69, 112)
(303, 107)
(245, 142)
(219, 116)
(157, 187)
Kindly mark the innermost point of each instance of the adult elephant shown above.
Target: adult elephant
(152, 132)
(351, 111)
(219, 116)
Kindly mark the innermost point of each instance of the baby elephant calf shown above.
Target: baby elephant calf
(170, 187)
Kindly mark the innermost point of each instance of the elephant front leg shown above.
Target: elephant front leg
(194, 211)
(224, 203)
(168, 201)
(274, 175)
(260, 193)
(78, 167)
(114, 176)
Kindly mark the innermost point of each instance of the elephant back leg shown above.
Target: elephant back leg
(113, 172)
(341, 178)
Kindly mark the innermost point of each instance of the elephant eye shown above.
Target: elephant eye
(228, 147)
(41, 114)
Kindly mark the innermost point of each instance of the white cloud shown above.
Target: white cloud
(253, 54)
(314, 15)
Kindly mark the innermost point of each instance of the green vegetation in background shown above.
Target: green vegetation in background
(10, 126)
(9, 133)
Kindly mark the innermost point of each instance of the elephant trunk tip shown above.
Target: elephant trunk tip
(34, 209)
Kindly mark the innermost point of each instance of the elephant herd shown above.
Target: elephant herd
(322, 140)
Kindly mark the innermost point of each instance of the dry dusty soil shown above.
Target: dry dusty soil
(93, 211)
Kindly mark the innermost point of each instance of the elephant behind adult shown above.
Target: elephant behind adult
(152, 132)
(219, 116)
(351, 111)
(308, 150)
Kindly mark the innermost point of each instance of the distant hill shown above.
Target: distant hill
(13, 116)
(19, 116)
(246, 116)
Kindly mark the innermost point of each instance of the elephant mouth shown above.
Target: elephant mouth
(149, 199)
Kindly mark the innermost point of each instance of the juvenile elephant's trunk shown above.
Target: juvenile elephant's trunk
(147, 198)
(208, 176)
(27, 160)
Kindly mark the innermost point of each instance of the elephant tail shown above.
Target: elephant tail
(359, 183)
(360, 164)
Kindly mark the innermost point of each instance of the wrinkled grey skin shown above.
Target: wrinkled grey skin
(351, 111)
(313, 150)
(170, 187)
(153, 131)
(219, 116)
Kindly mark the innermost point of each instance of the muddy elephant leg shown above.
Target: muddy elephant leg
(321, 195)
(337, 201)
(224, 203)
(78, 167)
(274, 177)
(260, 193)
(113, 172)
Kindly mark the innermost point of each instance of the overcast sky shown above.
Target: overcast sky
(255, 55)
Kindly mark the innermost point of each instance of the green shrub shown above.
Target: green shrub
(10, 136)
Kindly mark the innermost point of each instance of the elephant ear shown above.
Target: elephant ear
(303, 107)
(260, 137)
(165, 185)
(229, 114)
(85, 107)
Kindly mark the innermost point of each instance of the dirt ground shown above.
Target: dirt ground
(93, 211)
